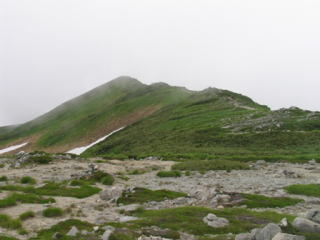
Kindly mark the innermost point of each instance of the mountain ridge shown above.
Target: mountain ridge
(160, 119)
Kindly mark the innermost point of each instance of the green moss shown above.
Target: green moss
(141, 195)
(169, 174)
(304, 189)
(260, 201)
(52, 212)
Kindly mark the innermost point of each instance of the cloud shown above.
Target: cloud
(51, 51)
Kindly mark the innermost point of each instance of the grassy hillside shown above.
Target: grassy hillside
(217, 124)
(173, 123)
(88, 117)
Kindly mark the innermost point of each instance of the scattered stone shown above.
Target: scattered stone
(214, 221)
(73, 232)
(306, 225)
(151, 238)
(284, 236)
(95, 228)
(283, 222)
(268, 232)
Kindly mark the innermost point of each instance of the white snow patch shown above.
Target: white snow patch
(9, 149)
(80, 150)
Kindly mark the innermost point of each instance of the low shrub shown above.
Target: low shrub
(26, 215)
(28, 180)
(43, 159)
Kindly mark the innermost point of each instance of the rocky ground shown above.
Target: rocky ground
(208, 189)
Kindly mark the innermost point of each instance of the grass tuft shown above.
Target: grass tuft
(304, 189)
(169, 174)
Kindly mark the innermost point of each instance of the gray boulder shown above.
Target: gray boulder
(306, 225)
(268, 232)
(214, 221)
(284, 236)
(314, 215)
(73, 232)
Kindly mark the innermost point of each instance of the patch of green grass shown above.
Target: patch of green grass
(52, 212)
(28, 180)
(169, 174)
(63, 228)
(304, 189)
(26, 215)
(55, 189)
(123, 234)
(15, 198)
(189, 219)
(207, 165)
(260, 201)
(9, 223)
(3, 178)
(141, 195)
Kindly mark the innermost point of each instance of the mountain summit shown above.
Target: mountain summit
(170, 122)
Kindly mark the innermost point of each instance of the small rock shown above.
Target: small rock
(111, 194)
(95, 228)
(214, 221)
(73, 232)
(127, 218)
(284, 236)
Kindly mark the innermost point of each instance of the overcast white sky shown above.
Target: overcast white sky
(53, 50)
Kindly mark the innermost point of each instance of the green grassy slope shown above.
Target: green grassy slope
(217, 124)
(93, 115)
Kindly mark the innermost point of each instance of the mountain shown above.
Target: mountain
(171, 122)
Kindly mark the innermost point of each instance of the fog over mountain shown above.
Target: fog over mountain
(52, 51)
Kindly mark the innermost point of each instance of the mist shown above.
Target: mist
(52, 51)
